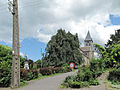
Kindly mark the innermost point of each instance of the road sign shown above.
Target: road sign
(72, 65)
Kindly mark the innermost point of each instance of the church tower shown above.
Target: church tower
(88, 41)
(87, 50)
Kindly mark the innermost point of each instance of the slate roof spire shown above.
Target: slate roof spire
(88, 37)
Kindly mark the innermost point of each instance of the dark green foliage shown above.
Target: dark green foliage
(5, 65)
(46, 71)
(56, 70)
(114, 75)
(97, 66)
(65, 68)
(111, 58)
(94, 82)
(28, 74)
(101, 51)
(62, 49)
(114, 55)
(86, 75)
(30, 62)
(83, 78)
(5, 73)
(35, 73)
(49, 71)
(38, 62)
(22, 83)
(81, 84)
(113, 40)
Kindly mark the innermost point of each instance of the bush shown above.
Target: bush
(5, 65)
(65, 68)
(71, 81)
(97, 66)
(86, 75)
(45, 71)
(35, 73)
(114, 75)
(56, 70)
(5, 74)
(28, 74)
(78, 84)
(94, 82)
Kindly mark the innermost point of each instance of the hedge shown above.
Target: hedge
(28, 74)
(114, 75)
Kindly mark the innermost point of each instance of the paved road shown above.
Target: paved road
(50, 83)
(53, 83)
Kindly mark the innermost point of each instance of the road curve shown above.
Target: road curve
(50, 83)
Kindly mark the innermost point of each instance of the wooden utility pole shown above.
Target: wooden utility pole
(15, 79)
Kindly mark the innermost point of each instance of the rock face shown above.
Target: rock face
(87, 50)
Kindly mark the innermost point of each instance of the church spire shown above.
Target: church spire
(88, 37)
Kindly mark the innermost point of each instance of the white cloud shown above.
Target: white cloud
(41, 19)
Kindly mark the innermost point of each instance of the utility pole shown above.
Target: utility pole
(15, 76)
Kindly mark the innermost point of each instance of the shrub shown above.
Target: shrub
(97, 66)
(114, 75)
(35, 73)
(5, 65)
(86, 75)
(56, 70)
(5, 74)
(23, 73)
(94, 82)
(65, 68)
(28, 74)
(71, 81)
(78, 84)
(45, 71)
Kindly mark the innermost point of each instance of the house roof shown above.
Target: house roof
(88, 37)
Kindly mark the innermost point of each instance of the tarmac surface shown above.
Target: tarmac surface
(53, 83)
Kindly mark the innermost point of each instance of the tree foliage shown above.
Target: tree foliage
(100, 50)
(5, 65)
(38, 62)
(114, 38)
(61, 49)
(111, 53)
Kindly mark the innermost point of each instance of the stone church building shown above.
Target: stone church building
(87, 50)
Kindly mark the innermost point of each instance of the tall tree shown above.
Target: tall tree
(114, 38)
(63, 48)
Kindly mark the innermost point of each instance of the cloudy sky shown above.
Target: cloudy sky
(40, 19)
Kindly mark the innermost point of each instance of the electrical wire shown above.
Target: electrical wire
(36, 4)
(32, 4)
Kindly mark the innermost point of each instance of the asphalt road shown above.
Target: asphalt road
(50, 83)
(53, 83)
